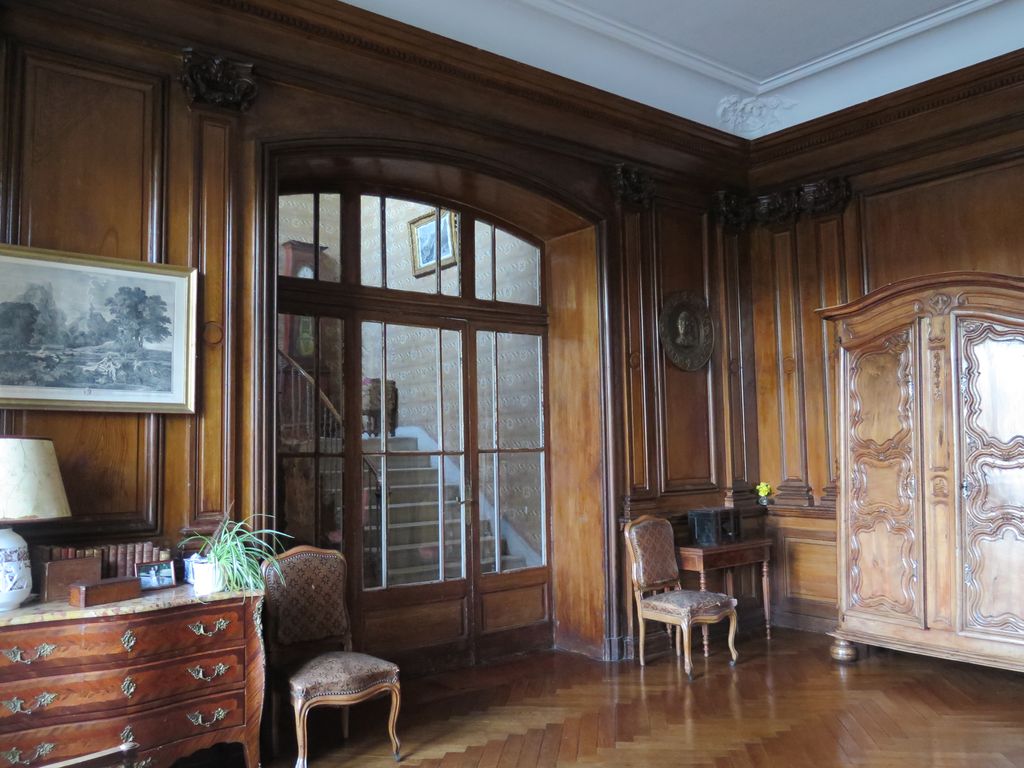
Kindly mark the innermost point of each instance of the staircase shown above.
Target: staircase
(411, 508)
(412, 516)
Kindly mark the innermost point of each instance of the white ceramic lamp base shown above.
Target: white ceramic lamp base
(15, 574)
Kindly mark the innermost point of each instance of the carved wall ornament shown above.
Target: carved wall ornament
(782, 206)
(217, 81)
(778, 207)
(686, 331)
(633, 186)
(733, 209)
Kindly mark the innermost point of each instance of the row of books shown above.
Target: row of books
(115, 559)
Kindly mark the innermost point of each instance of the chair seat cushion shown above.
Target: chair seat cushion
(340, 673)
(685, 603)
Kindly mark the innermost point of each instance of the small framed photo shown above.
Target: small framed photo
(158, 574)
(430, 248)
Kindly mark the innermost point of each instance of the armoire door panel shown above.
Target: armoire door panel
(882, 511)
(991, 355)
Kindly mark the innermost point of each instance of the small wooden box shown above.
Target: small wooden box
(83, 594)
(58, 575)
(713, 526)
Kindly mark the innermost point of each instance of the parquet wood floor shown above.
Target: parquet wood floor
(785, 704)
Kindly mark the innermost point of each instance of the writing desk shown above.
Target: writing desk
(728, 556)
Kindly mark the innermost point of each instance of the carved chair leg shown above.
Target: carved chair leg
(396, 703)
(732, 638)
(344, 723)
(679, 640)
(687, 659)
(300, 733)
(642, 623)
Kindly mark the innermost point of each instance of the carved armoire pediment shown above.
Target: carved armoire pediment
(931, 443)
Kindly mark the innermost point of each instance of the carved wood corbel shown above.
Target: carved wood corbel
(737, 211)
(217, 81)
(632, 186)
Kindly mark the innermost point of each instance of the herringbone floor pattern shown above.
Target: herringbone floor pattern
(786, 704)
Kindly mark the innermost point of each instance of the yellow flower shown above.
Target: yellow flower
(763, 489)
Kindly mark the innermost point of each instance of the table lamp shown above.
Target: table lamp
(30, 489)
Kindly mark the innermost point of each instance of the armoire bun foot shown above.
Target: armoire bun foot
(843, 651)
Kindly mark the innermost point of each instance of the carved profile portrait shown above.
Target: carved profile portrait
(687, 334)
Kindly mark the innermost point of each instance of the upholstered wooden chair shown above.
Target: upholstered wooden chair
(309, 643)
(659, 596)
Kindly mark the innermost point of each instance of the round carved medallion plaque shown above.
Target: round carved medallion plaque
(687, 334)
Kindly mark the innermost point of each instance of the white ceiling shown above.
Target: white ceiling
(750, 67)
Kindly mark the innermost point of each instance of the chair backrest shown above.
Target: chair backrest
(308, 605)
(652, 553)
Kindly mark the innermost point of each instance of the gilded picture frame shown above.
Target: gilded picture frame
(90, 333)
(427, 246)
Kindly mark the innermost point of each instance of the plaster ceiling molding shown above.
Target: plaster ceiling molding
(722, 63)
(752, 116)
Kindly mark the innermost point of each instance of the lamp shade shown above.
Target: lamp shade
(30, 484)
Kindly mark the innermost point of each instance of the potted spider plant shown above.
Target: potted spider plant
(230, 558)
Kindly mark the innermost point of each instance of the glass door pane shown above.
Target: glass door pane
(310, 428)
(413, 464)
(511, 456)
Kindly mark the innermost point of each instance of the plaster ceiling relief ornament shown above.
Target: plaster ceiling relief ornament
(752, 115)
(217, 81)
(686, 331)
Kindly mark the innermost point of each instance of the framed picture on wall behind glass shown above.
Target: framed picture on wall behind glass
(427, 247)
(91, 333)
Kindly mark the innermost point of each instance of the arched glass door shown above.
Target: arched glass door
(411, 431)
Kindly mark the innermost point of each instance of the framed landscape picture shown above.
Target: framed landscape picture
(90, 333)
(427, 247)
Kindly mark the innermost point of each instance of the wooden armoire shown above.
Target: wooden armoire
(931, 442)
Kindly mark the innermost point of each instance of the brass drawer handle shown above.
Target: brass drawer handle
(18, 656)
(198, 673)
(196, 718)
(127, 734)
(200, 629)
(128, 687)
(128, 640)
(13, 756)
(17, 706)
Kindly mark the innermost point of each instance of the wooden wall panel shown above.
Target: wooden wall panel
(88, 165)
(214, 425)
(578, 527)
(804, 577)
(638, 329)
(966, 220)
(687, 447)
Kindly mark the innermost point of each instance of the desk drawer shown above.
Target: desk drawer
(150, 728)
(23, 703)
(40, 650)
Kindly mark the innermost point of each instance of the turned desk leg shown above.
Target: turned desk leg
(704, 627)
(767, 600)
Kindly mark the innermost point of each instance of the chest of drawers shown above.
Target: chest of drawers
(167, 671)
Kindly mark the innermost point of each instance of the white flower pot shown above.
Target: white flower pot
(207, 577)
